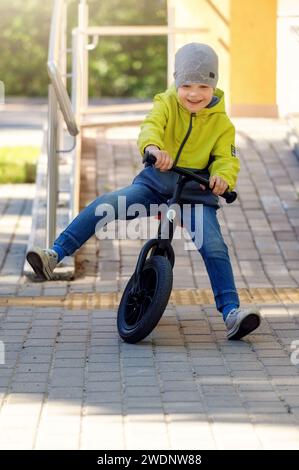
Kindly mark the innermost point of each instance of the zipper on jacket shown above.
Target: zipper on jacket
(184, 140)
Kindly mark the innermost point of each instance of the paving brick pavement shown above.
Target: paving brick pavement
(15, 224)
(261, 228)
(69, 382)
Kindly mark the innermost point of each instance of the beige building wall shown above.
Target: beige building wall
(243, 33)
(253, 58)
(213, 18)
(288, 57)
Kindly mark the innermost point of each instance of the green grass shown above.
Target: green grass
(18, 164)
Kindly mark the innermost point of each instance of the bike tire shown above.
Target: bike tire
(156, 283)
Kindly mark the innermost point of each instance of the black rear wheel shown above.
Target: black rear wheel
(139, 312)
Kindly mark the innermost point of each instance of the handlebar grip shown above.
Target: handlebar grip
(149, 159)
(229, 196)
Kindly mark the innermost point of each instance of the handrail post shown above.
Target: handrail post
(76, 93)
(52, 180)
(76, 104)
(62, 68)
(83, 51)
(170, 42)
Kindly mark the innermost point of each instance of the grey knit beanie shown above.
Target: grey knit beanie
(196, 63)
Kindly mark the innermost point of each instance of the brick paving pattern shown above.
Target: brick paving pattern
(69, 382)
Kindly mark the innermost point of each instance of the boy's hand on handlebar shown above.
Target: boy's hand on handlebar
(164, 161)
(218, 185)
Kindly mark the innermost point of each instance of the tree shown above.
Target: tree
(24, 36)
(128, 66)
(119, 66)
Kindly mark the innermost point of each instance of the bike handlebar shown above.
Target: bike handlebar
(229, 196)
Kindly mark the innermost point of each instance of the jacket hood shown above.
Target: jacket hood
(218, 98)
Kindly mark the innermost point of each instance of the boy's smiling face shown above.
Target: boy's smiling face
(195, 96)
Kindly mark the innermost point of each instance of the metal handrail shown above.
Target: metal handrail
(58, 98)
(136, 30)
(153, 30)
(53, 70)
(63, 98)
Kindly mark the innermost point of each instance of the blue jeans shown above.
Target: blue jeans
(213, 248)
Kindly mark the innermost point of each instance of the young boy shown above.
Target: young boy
(187, 127)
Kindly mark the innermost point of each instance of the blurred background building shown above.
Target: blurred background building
(258, 46)
(257, 42)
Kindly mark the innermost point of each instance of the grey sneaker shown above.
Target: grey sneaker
(239, 322)
(42, 261)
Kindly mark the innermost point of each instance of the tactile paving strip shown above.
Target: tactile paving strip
(178, 297)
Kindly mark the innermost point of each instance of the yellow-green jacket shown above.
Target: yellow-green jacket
(212, 134)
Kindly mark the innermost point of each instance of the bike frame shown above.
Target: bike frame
(161, 245)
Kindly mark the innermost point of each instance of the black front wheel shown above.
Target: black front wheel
(140, 311)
